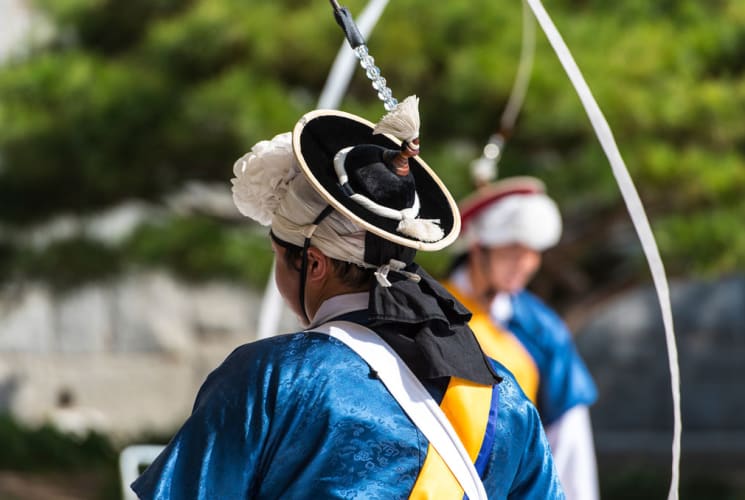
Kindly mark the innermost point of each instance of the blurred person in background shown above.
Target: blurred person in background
(317, 414)
(506, 227)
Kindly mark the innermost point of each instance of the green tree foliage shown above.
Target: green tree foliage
(199, 248)
(134, 99)
(48, 448)
(44, 455)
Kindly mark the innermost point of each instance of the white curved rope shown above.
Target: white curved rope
(331, 95)
(485, 168)
(638, 217)
(524, 69)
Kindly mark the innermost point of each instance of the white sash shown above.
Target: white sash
(415, 400)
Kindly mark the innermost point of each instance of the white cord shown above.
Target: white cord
(638, 217)
(484, 169)
(524, 69)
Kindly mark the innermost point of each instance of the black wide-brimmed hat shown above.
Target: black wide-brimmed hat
(351, 168)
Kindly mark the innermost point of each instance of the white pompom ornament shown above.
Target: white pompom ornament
(262, 176)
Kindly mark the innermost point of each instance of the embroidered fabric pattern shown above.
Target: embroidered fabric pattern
(302, 416)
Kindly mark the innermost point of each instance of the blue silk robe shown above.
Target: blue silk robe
(565, 381)
(302, 416)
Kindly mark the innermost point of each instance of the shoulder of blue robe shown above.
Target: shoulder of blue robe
(534, 476)
(301, 416)
(293, 416)
(565, 381)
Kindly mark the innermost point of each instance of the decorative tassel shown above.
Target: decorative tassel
(421, 229)
(402, 122)
(395, 266)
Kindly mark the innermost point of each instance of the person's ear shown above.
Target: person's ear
(318, 264)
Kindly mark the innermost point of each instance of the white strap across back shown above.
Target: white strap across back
(415, 400)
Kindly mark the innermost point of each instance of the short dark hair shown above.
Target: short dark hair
(352, 275)
(349, 273)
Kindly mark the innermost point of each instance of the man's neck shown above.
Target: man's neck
(338, 305)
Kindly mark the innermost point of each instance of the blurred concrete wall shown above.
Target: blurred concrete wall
(623, 344)
(134, 351)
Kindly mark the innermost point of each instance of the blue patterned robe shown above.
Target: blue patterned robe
(302, 416)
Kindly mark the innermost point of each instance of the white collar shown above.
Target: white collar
(338, 305)
(500, 308)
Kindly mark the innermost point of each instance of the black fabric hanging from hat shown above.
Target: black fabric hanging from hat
(428, 328)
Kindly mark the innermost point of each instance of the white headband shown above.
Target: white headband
(269, 188)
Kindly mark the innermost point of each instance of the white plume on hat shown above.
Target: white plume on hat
(532, 220)
(401, 122)
(262, 176)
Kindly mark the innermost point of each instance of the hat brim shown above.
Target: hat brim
(320, 134)
(472, 205)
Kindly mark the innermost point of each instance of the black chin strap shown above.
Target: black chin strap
(304, 262)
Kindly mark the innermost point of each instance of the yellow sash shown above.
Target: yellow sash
(467, 406)
(501, 345)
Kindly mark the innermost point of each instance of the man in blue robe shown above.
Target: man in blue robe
(507, 225)
(314, 414)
